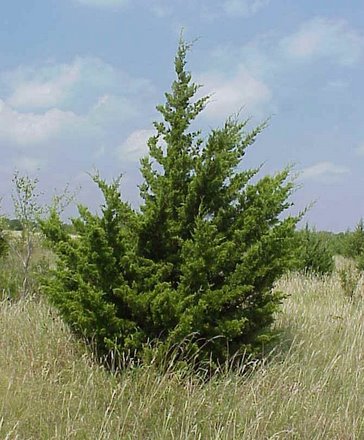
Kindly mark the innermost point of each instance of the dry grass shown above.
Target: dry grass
(310, 389)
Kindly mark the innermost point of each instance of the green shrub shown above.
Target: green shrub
(356, 244)
(194, 270)
(313, 252)
(3, 243)
(336, 243)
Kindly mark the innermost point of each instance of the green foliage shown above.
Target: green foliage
(195, 269)
(337, 243)
(356, 244)
(3, 241)
(313, 252)
(3, 245)
(13, 224)
(96, 271)
(4, 249)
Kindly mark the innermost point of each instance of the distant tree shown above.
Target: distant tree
(356, 242)
(195, 269)
(337, 243)
(13, 224)
(314, 253)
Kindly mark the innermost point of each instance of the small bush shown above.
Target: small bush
(313, 253)
(356, 242)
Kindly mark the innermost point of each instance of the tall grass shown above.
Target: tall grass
(310, 388)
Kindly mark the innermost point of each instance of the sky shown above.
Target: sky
(80, 80)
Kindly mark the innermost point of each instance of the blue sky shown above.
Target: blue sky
(79, 81)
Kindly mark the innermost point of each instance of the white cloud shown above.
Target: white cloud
(135, 145)
(322, 37)
(73, 107)
(206, 9)
(104, 3)
(230, 95)
(30, 128)
(243, 8)
(40, 92)
(71, 86)
(110, 109)
(325, 172)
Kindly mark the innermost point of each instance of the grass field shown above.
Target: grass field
(310, 388)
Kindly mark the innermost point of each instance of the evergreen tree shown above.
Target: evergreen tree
(356, 244)
(314, 253)
(220, 235)
(197, 266)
